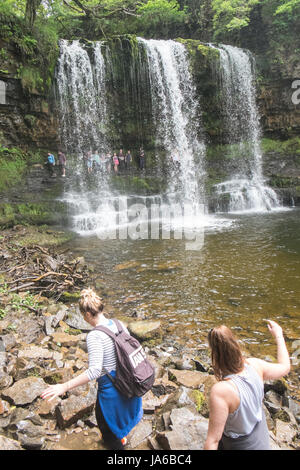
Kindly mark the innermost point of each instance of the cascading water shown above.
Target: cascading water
(176, 117)
(246, 189)
(82, 108)
(82, 76)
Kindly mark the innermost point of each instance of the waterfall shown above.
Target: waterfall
(89, 80)
(176, 118)
(246, 189)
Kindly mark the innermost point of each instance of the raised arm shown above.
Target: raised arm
(271, 371)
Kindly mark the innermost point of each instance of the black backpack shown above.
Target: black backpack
(135, 375)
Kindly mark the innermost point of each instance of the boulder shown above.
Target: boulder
(29, 330)
(24, 391)
(66, 340)
(152, 402)
(195, 431)
(145, 329)
(192, 379)
(75, 320)
(75, 407)
(139, 433)
(9, 444)
(33, 352)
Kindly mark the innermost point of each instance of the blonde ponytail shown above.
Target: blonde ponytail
(90, 302)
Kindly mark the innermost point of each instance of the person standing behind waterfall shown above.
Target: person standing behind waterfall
(128, 160)
(116, 415)
(236, 417)
(142, 159)
(115, 162)
(62, 163)
(121, 160)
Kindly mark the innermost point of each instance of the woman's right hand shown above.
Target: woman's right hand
(54, 391)
(275, 329)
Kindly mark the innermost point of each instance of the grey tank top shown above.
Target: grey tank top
(251, 392)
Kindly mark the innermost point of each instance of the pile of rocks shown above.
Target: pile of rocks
(51, 348)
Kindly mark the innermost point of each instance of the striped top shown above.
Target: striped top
(101, 350)
(251, 392)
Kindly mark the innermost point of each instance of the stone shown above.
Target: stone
(152, 402)
(49, 330)
(29, 429)
(75, 320)
(145, 329)
(72, 409)
(3, 359)
(294, 407)
(154, 445)
(285, 432)
(139, 433)
(30, 330)
(66, 340)
(33, 352)
(46, 409)
(5, 381)
(24, 391)
(59, 316)
(163, 386)
(9, 444)
(9, 341)
(279, 386)
(192, 379)
(31, 443)
(194, 435)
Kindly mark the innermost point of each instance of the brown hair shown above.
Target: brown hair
(90, 302)
(226, 353)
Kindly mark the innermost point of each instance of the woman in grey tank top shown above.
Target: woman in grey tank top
(236, 418)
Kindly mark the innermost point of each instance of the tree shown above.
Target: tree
(31, 11)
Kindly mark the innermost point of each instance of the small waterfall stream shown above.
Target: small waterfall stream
(246, 189)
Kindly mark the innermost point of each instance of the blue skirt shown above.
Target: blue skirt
(120, 413)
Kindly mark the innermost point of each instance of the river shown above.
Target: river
(247, 271)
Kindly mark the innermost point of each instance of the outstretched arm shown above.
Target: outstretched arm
(271, 371)
(54, 391)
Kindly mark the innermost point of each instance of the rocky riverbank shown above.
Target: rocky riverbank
(42, 341)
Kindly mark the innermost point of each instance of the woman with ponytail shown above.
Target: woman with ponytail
(236, 416)
(116, 415)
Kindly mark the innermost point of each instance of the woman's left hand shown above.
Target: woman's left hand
(54, 391)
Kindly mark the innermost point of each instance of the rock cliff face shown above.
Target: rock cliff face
(26, 117)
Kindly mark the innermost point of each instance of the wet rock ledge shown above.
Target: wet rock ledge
(48, 348)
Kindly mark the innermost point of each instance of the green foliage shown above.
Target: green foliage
(287, 147)
(231, 15)
(12, 166)
(161, 17)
